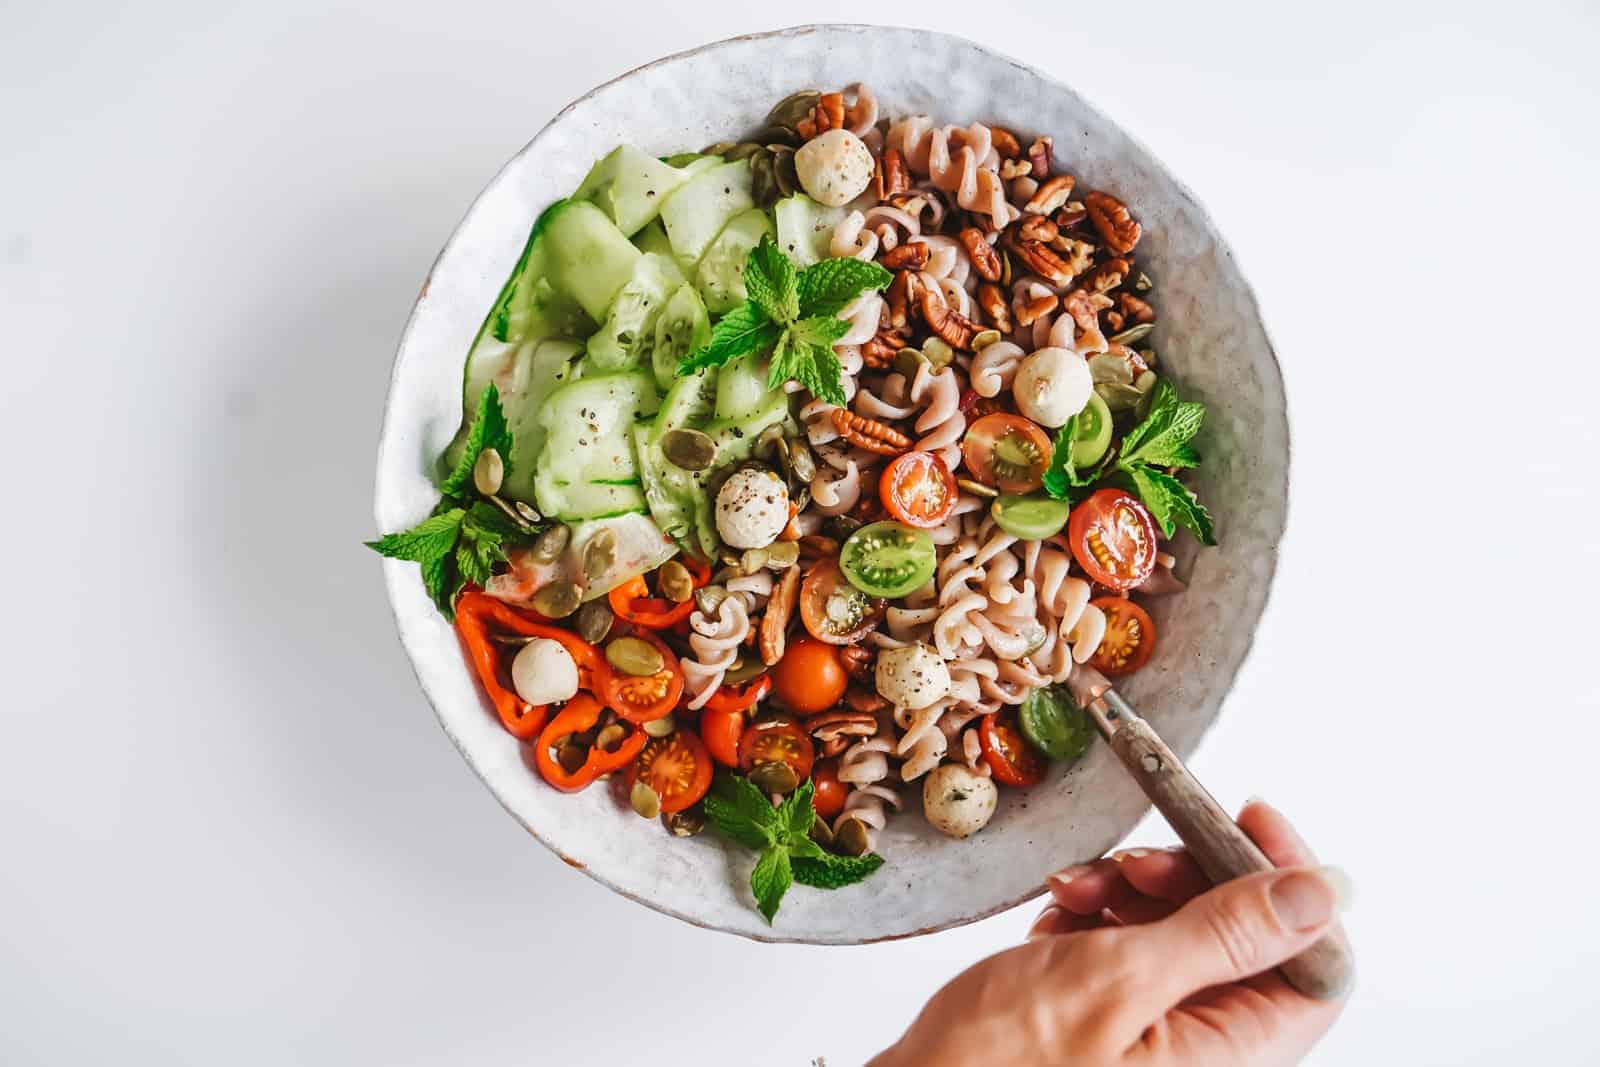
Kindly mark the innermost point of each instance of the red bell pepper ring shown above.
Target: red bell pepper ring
(641, 700)
(580, 714)
(474, 614)
(729, 698)
(631, 601)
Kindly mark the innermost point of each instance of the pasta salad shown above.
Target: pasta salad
(801, 473)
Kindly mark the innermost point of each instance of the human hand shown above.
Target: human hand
(1139, 961)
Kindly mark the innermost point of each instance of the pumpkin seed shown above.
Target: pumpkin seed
(635, 656)
(851, 838)
(685, 823)
(1005, 269)
(1145, 382)
(689, 449)
(783, 167)
(753, 560)
(764, 190)
(774, 778)
(660, 727)
(610, 737)
(744, 668)
(599, 553)
(939, 354)
(709, 598)
(802, 466)
(526, 511)
(1148, 355)
(1133, 334)
(984, 338)
(721, 148)
(571, 757)
(793, 108)
(551, 544)
(776, 136)
(644, 800)
(1110, 368)
(742, 150)
(1118, 397)
(557, 600)
(821, 832)
(489, 472)
(1143, 282)
(675, 581)
(594, 621)
(772, 445)
(781, 555)
(908, 360)
(977, 488)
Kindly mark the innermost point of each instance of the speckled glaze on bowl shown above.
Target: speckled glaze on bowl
(1210, 339)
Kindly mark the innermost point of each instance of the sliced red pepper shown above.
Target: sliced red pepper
(631, 601)
(642, 700)
(730, 698)
(580, 714)
(474, 614)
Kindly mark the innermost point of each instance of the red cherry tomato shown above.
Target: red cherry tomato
(1012, 759)
(720, 729)
(642, 700)
(1129, 640)
(828, 800)
(677, 767)
(809, 678)
(779, 740)
(1007, 451)
(1113, 539)
(918, 489)
(834, 610)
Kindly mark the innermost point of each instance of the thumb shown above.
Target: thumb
(1241, 928)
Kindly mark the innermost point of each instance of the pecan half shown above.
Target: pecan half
(985, 260)
(857, 661)
(902, 291)
(1030, 311)
(879, 351)
(1050, 195)
(1085, 308)
(829, 114)
(866, 700)
(775, 622)
(1108, 275)
(953, 328)
(817, 546)
(1136, 310)
(1005, 142)
(1072, 214)
(1044, 262)
(1039, 155)
(842, 723)
(1079, 254)
(1110, 216)
(913, 255)
(992, 302)
(869, 434)
(1037, 228)
(896, 178)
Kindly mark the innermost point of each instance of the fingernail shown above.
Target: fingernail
(1062, 877)
(1344, 890)
(1131, 854)
(1252, 800)
(1046, 917)
(1304, 900)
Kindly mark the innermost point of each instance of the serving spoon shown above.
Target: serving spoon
(1223, 851)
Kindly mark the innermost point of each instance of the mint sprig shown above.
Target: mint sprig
(739, 811)
(792, 314)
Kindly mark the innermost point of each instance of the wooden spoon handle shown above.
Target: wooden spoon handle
(1324, 970)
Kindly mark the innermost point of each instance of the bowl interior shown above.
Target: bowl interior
(1209, 338)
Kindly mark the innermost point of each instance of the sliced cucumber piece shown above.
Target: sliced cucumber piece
(1091, 433)
(587, 467)
(677, 497)
(702, 206)
(586, 256)
(742, 387)
(539, 369)
(629, 333)
(630, 186)
(805, 228)
(682, 328)
(653, 238)
(720, 276)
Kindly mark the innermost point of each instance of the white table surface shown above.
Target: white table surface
(230, 830)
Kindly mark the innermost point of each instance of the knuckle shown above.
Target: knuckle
(1233, 932)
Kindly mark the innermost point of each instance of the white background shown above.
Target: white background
(230, 831)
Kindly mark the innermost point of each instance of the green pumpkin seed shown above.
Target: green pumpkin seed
(557, 600)
(644, 800)
(1148, 355)
(551, 544)
(908, 360)
(610, 738)
(1119, 397)
(781, 555)
(635, 656)
(753, 560)
(689, 449)
(763, 179)
(1005, 269)
(793, 108)
(821, 832)
(744, 668)
(709, 598)
(776, 137)
(802, 467)
(599, 553)
(661, 727)
(1133, 334)
(1110, 368)
(685, 823)
(939, 354)
(984, 338)
(774, 778)
(1145, 382)
(527, 513)
(978, 488)
(489, 472)
(721, 148)
(772, 445)
(594, 621)
(742, 150)
(783, 168)
(1143, 283)
(852, 838)
(675, 582)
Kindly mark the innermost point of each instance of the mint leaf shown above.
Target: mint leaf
(1162, 439)
(473, 567)
(739, 811)
(801, 847)
(805, 354)
(821, 330)
(833, 872)
(429, 539)
(442, 581)
(771, 879)
(484, 517)
(1062, 475)
(488, 430)
(796, 814)
(826, 287)
(744, 329)
(1163, 398)
(1171, 503)
(769, 278)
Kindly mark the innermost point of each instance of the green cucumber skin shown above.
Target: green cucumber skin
(682, 328)
(805, 228)
(627, 339)
(588, 466)
(587, 257)
(630, 186)
(701, 207)
(742, 388)
(720, 275)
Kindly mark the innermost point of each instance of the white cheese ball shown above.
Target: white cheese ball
(1052, 385)
(752, 508)
(912, 677)
(544, 673)
(957, 800)
(834, 167)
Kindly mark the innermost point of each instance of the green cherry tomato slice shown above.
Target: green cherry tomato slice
(1032, 518)
(888, 559)
(1054, 725)
(1091, 434)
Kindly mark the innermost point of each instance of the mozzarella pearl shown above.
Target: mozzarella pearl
(544, 673)
(912, 677)
(752, 508)
(957, 800)
(1052, 385)
(834, 167)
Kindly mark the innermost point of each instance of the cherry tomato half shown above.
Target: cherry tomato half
(1129, 640)
(1007, 451)
(677, 767)
(720, 729)
(918, 489)
(1012, 759)
(809, 678)
(1113, 538)
(828, 800)
(779, 740)
(834, 610)
(641, 700)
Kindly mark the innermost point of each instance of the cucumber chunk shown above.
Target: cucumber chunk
(653, 238)
(683, 327)
(630, 186)
(587, 467)
(585, 256)
(702, 206)
(628, 336)
(741, 387)
(805, 228)
(720, 276)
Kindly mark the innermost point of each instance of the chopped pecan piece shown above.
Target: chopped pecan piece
(913, 255)
(857, 661)
(842, 724)
(1079, 254)
(1015, 168)
(1114, 320)
(1050, 195)
(1072, 214)
(1039, 156)
(817, 546)
(1110, 216)
(829, 114)
(775, 621)
(1108, 275)
(896, 179)
(869, 434)
(1037, 228)
(953, 328)
(878, 352)
(1005, 142)
(1044, 262)
(992, 302)
(1136, 310)
(866, 700)
(1030, 311)
(1085, 308)
(902, 291)
(985, 260)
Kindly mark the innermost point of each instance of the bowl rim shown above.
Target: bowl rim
(396, 573)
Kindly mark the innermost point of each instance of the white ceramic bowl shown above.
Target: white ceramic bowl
(1210, 339)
